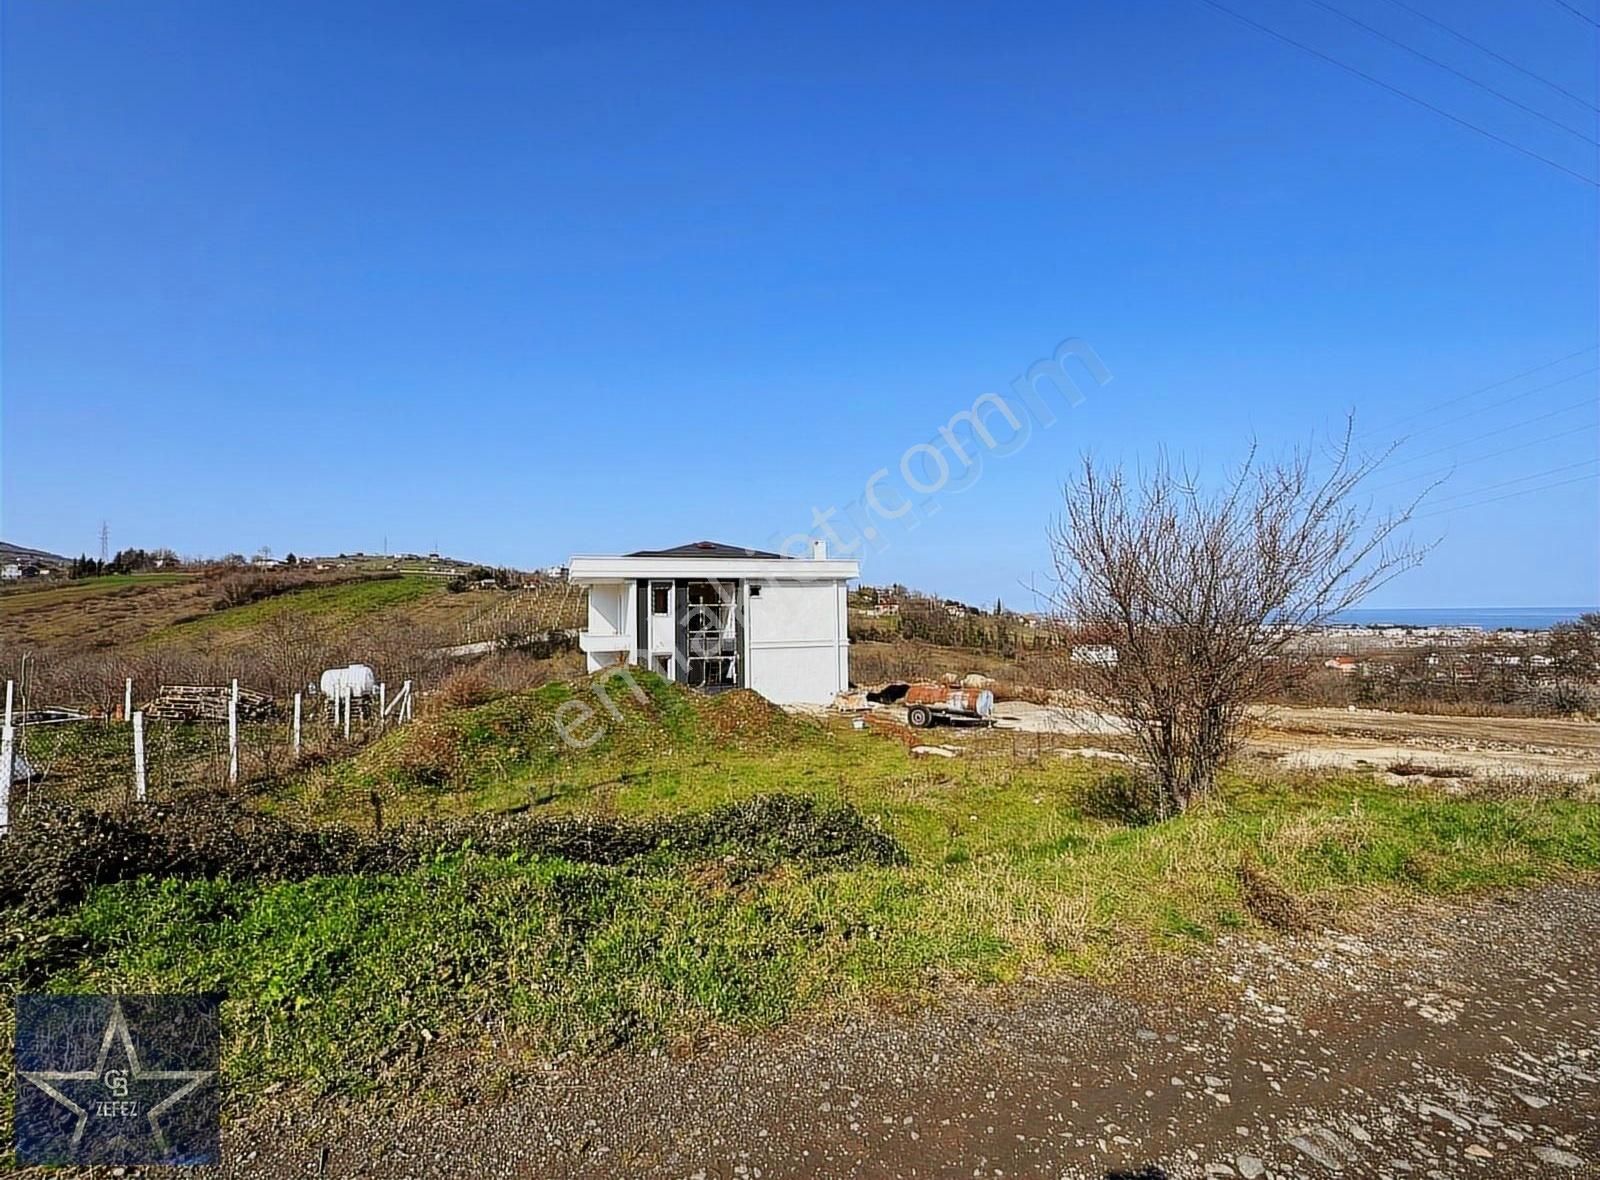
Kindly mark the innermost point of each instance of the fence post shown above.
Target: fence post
(127, 699)
(347, 703)
(9, 686)
(138, 756)
(407, 690)
(383, 704)
(8, 738)
(233, 733)
(297, 725)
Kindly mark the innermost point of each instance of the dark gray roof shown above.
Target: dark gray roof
(704, 549)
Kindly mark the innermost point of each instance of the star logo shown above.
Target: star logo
(120, 1106)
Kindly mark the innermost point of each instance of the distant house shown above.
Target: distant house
(11, 571)
(1100, 654)
(716, 616)
(1345, 664)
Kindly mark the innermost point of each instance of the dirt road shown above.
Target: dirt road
(1373, 740)
(1442, 1042)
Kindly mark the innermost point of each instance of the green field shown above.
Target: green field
(349, 981)
(340, 602)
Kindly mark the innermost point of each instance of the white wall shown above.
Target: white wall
(609, 637)
(608, 609)
(797, 642)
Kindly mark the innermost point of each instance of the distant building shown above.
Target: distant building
(718, 616)
(1100, 654)
(10, 571)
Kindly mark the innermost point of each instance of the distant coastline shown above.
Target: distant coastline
(1490, 618)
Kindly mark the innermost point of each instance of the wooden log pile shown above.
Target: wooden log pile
(207, 702)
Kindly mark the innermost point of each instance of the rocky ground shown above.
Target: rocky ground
(1439, 1041)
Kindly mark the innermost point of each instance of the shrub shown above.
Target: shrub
(1123, 797)
(465, 689)
(56, 853)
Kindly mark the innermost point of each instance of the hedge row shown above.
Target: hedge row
(55, 854)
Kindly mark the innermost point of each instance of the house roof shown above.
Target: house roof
(707, 549)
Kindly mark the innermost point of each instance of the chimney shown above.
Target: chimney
(819, 551)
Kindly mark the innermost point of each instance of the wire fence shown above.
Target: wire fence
(54, 754)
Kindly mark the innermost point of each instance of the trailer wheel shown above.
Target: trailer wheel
(919, 716)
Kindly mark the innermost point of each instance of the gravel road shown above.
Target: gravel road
(1438, 1041)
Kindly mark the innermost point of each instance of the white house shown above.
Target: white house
(717, 616)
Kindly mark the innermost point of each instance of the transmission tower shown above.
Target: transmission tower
(105, 542)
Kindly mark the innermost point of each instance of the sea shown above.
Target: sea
(1490, 618)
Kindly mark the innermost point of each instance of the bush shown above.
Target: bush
(56, 853)
(1562, 698)
(1123, 797)
(465, 689)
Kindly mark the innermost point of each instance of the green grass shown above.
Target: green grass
(342, 602)
(338, 980)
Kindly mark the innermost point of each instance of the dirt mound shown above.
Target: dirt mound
(1269, 903)
(744, 716)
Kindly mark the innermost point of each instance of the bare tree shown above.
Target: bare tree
(1203, 594)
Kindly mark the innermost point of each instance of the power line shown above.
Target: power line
(1405, 94)
(1506, 483)
(1461, 397)
(1500, 57)
(1503, 402)
(1522, 446)
(1578, 12)
(1509, 496)
(1446, 66)
(1499, 431)
(1526, 393)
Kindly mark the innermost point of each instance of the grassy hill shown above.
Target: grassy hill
(21, 553)
(97, 612)
(337, 602)
(548, 895)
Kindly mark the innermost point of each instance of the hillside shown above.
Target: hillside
(21, 553)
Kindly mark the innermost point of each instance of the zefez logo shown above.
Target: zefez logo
(117, 1079)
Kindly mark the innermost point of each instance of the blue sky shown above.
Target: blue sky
(521, 283)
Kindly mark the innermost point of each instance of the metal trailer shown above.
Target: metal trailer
(927, 704)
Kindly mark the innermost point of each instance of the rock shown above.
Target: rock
(933, 752)
(1479, 1152)
(1249, 1166)
(1561, 1159)
(1533, 1101)
(1314, 1152)
(1448, 1116)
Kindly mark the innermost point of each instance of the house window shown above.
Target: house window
(659, 592)
(711, 634)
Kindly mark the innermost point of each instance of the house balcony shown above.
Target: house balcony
(591, 643)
